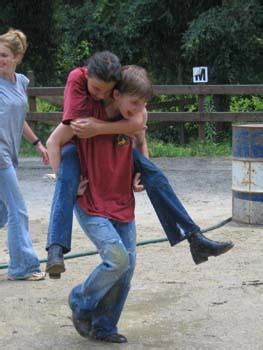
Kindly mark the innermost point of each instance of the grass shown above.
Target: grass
(158, 148)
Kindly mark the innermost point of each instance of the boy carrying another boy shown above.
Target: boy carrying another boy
(105, 210)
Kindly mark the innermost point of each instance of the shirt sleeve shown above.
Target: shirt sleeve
(24, 81)
(77, 102)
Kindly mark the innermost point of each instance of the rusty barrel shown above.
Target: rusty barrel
(247, 174)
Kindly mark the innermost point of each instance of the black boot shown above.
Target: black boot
(55, 261)
(201, 247)
(83, 327)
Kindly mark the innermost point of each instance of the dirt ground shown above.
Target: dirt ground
(173, 303)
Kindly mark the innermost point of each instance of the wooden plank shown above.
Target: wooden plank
(58, 100)
(172, 90)
(208, 89)
(56, 117)
(49, 117)
(45, 91)
(206, 117)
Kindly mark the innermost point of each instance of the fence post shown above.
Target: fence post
(32, 103)
(201, 125)
(181, 124)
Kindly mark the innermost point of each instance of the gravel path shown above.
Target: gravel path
(173, 303)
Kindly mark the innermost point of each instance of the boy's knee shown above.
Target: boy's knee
(118, 256)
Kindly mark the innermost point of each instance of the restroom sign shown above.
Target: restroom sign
(200, 74)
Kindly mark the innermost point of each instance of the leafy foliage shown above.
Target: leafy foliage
(246, 104)
(37, 20)
(228, 39)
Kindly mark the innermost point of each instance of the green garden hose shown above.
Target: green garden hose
(150, 241)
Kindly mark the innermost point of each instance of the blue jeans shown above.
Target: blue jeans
(102, 296)
(23, 260)
(176, 222)
(61, 216)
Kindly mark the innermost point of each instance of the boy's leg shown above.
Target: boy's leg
(23, 259)
(111, 305)
(175, 220)
(61, 216)
(85, 298)
(172, 214)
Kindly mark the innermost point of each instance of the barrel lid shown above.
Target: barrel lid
(252, 125)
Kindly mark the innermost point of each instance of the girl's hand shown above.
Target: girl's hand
(43, 152)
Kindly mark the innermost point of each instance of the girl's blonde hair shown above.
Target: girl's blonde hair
(15, 40)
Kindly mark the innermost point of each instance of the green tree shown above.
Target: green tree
(36, 18)
(228, 39)
(146, 32)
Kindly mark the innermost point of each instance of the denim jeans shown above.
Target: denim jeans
(102, 296)
(64, 198)
(176, 222)
(23, 260)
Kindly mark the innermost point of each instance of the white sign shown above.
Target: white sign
(200, 74)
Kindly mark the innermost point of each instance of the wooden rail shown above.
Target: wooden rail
(55, 95)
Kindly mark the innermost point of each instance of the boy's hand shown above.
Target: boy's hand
(137, 186)
(82, 186)
(85, 128)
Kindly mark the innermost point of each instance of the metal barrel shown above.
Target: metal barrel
(247, 174)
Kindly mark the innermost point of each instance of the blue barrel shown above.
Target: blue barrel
(247, 174)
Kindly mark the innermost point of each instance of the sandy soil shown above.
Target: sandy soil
(173, 303)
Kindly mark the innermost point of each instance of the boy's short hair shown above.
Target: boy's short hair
(135, 82)
(104, 66)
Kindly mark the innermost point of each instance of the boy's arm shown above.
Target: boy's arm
(56, 140)
(90, 127)
(140, 142)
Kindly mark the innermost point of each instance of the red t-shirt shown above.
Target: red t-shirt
(77, 100)
(106, 160)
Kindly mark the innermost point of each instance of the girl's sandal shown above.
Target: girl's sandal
(36, 276)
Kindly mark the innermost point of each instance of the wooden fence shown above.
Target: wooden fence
(55, 95)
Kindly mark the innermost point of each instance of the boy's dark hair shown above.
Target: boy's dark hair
(135, 82)
(104, 66)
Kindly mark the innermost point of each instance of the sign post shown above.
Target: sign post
(200, 75)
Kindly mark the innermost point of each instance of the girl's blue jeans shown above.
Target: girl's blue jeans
(176, 222)
(23, 260)
(102, 296)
